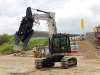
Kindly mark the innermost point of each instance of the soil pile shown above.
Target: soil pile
(91, 55)
(85, 46)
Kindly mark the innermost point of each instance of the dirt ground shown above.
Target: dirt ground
(16, 65)
(12, 65)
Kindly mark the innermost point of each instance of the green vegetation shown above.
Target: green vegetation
(34, 41)
(4, 38)
(42, 31)
(7, 42)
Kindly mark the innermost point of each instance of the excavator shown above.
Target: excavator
(58, 48)
(96, 30)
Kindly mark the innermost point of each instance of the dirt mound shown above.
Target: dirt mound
(85, 46)
(91, 55)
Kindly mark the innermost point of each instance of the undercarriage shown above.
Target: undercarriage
(66, 62)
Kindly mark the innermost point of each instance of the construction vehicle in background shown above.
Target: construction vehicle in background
(58, 46)
(39, 51)
(96, 30)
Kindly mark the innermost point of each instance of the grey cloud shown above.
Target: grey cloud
(69, 25)
(95, 9)
(12, 8)
(73, 26)
(47, 5)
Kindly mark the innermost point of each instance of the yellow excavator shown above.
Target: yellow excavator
(39, 50)
(96, 30)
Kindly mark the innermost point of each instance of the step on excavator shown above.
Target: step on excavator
(58, 48)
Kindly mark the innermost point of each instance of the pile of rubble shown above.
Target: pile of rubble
(28, 53)
(85, 46)
(91, 55)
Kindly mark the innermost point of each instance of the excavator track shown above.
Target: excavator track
(39, 64)
(66, 62)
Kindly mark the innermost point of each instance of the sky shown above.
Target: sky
(67, 14)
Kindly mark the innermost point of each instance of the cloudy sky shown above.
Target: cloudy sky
(68, 14)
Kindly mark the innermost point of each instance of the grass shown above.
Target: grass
(7, 47)
(34, 41)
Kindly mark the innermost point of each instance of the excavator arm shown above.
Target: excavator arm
(50, 18)
(25, 31)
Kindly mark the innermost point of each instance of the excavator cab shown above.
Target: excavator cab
(60, 43)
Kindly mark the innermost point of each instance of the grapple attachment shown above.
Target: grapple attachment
(25, 31)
